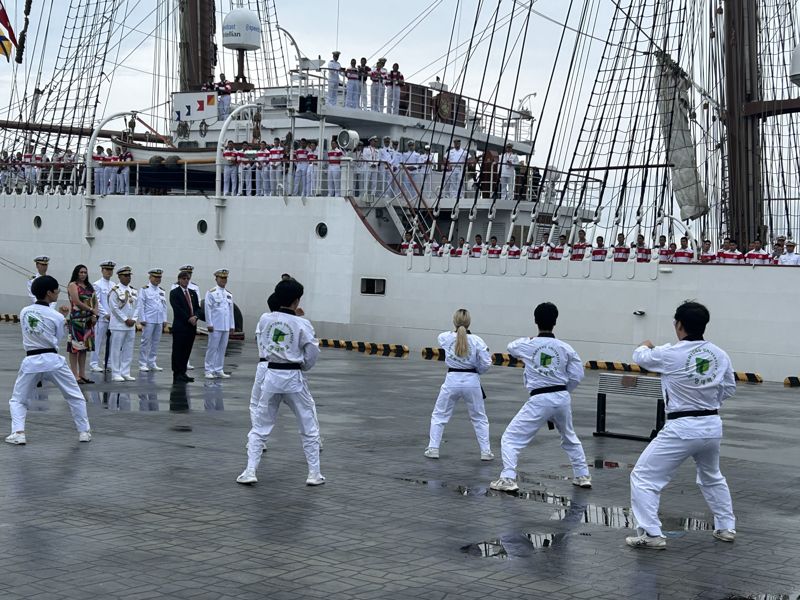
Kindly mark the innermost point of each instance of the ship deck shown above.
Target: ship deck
(150, 509)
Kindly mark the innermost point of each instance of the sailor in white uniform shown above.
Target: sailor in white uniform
(218, 307)
(123, 305)
(287, 343)
(467, 357)
(101, 287)
(334, 78)
(191, 286)
(152, 315)
(42, 331)
(508, 173)
(456, 159)
(41, 262)
(552, 370)
(696, 377)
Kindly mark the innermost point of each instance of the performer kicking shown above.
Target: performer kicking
(696, 377)
(288, 345)
(43, 328)
(552, 370)
(467, 357)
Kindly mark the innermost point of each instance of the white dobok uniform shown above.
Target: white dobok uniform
(122, 305)
(43, 329)
(101, 288)
(549, 363)
(285, 338)
(462, 385)
(153, 315)
(695, 376)
(218, 306)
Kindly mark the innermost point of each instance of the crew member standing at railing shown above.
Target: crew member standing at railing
(352, 92)
(247, 158)
(276, 167)
(578, 250)
(301, 168)
(124, 177)
(99, 170)
(5, 161)
(394, 81)
(378, 77)
(758, 256)
(363, 77)
(230, 157)
(386, 155)
(707, 255)
(41, 166)
(664, 253)
(557, 252)
(426, 172)
(493, 250)
(371, 162)
(508, 173)
(28, 168)
(514, 251)
(621, 251)
(409, 243)
(477, 249)
(733, 256)
(334, 77)
(410, 162)
(684, 254)
(110, 172)
(313, 168)
(223, 88)
(643, 253)
(335, 170)
(262, 169)
(454, 168)
(599, 252)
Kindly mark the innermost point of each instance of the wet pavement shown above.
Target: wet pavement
(149, 509)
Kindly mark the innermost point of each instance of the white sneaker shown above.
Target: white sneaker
(505, 484)
(118, 378)
(17, 439)
(190, 366)
(725, 535)
(97, 369)
(128, 378)
(84, 436)
(247, 477)
(646, 541)
(210, 376)
(488, 455)
(584, 481)
(156, 368)
(431, 453)
(223, 375)
(315, 479)
(143, 369)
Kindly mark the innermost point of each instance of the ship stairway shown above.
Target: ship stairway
(413, 214)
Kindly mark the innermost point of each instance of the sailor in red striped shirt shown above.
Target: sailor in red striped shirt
(535, 251)
(444, 247)
(433, 244)
(99, 170)
(578, 250)
(409, 243)
(513, 250)
(493, 250)
(459, 249)
(124, 177)
(276, 167)
(477, 249)
(732, 255)
(557, 252)
(110, 172)
(352, 92)
(394, 81)
(707, 255)
(29, 169)
(599, 252)
(230, 173)
(684, 254)
(301, 167)
(334, 169)
(262, 169)
(723, 250)
(643, 253)
(378, 75)
(664, 253)
(758, 256)
(311, 170)
(621, 251)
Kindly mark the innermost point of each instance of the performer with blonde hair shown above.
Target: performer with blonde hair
(467, 357)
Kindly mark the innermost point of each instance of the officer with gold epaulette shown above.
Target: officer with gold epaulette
(152, 316)
(218, 306)
(123, 305)
(41, 263)
(101, 332)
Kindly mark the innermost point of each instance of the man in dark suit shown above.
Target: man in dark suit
(185, 309)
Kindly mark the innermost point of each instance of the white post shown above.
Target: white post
(221, 145)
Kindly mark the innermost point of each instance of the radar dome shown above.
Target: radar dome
(241, 30)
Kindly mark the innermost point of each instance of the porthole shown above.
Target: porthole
(37, 221)
(202, 226)
(99, 223)
(131, 224)
(322, 230)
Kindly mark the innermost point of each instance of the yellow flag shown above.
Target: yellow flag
(5, 47)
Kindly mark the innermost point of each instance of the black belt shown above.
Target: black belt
(453, 370)
(691, 413)
(548, 389)
(41, 351)
(283, 366)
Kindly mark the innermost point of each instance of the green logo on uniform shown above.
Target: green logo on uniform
(545, 360)
(33, 322)
(278, 336)
(702, 365)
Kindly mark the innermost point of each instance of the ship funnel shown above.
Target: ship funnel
(794, 74)
(241, 30)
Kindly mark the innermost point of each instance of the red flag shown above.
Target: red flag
(6, 22)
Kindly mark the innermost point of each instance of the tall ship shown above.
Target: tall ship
(397, 199)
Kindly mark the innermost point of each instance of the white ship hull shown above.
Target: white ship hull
(261, 238)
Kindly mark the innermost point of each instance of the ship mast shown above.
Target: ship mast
(197, 48)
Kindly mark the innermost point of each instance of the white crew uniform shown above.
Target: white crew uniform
(218, 307)
(44, 328)
(101, 288)
(30, 293)
(262, 172)
(409, 174)
(247, 164)
(789, 258)
(370, 157)
(285, 338)
(508, 175)
(122, 305)
(548, 362)
(334, 77)
(335, 172)
(695, 376)
(230, 171)
(461, 385)
(386, 156)
(456, 158)
(153, 314)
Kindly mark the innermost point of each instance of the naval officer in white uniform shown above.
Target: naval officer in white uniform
(123, 305)
(41, 262)
(218, 307)
(696, 377)
(101, 288)
(152, 316)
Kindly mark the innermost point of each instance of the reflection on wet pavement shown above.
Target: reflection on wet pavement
(513, 546)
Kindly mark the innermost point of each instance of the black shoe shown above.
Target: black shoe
(183, 379)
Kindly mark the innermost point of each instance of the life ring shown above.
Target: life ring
(203, 128)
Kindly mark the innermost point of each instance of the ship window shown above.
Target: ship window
(37, 221)
(202, 226)
(322, 230)
(131, 224)
(373, 287)
(99, 223)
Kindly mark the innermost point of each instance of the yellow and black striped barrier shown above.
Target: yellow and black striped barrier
(791, 382)
(433, 353)
(9, 318)
(748, 377)
(397, 350)
(625, 367)
(506, 360)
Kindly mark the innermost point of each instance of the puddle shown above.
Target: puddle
(513, 546)
(602, 463)
(791, 596)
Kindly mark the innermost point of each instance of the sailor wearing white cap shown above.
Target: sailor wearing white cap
(378, 91)
(123, 305)
(218, 306)
(152, 316)
(370, 157)
(41, 263)
(334, 77)
(192, 286)
(101, 333)
(789, 257)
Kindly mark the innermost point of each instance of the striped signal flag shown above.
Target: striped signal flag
(6, 22)
(5, 47)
